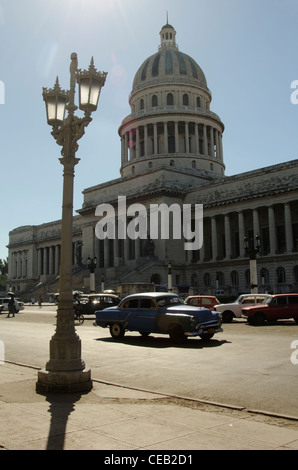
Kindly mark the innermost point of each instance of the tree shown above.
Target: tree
(3, 266)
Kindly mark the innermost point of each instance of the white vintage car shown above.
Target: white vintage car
(230, 311)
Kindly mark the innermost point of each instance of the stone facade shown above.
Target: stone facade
(172, 153)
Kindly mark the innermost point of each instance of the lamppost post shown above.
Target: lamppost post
(91, 263)
(65, 371)
(170, 277)
(252, 247)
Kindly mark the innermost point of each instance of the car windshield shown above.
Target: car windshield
(268, 300)
(167, 300)
(238, 301)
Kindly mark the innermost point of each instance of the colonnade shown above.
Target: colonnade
(168, 137)
(277, 226)
(48, 260)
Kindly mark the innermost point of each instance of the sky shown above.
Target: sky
(246, 48)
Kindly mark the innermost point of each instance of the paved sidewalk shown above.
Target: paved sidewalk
(116, 418)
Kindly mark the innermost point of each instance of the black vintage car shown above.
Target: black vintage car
(92, 302)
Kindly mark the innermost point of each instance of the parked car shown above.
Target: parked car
(159, 312)
(275, 307)
(92, 302)
(206, 301)
(230, 311)
(17, 304)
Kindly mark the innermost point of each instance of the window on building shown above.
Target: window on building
(170, 99)
(207, 280)
(185, 100)
(198, 102)
(154, 101)
(281, 275)
(142, 104)
(234, 278)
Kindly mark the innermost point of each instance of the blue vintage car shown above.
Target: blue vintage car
(159, 312)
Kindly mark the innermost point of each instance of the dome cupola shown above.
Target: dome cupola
(170, 122)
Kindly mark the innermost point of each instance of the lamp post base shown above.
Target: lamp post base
(64, 381)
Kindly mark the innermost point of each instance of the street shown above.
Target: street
(243, 366)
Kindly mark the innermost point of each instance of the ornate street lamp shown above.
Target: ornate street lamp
(170, 278)
(252, 247)
(91, 263)
(65, 370)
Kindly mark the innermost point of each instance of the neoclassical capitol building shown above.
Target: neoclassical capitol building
(172, 153)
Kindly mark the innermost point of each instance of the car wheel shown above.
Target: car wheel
(227, 316)
(206, 336)
(176, 334)
(258, 319)
(117, 331)
(295, 319)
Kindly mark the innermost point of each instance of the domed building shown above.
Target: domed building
(172, 158)
(170, 121)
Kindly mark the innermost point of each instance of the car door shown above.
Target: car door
(145, 315)
(278, 308)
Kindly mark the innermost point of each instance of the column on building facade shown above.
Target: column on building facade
(216, 143)
(130, 145)
(220, 150)
(186, 137)
(214, 239)
(211, 142)
(272, 230)
(57, 259)
(205, 141)
(176, 137)
(165, 132)
(197, 148)
(106, 253)
(288, 228)
(138, 153)
(146, 139)
(51, 260)
(155, 139)
(241, 229)
(227, 237)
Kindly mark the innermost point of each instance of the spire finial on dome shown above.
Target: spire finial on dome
(168, 35)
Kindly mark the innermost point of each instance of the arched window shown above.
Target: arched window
(193, 164)
(142, 104)
(170, 99)
(220, 278)
(172, 163)
(198, 102)
(281, 275)
(234, 278)
(264, 274)
(207, 280)
(154, 101)
(185, 100)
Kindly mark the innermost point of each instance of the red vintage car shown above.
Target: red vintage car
(276, 307)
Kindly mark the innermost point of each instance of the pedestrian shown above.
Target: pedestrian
(11, 306)
(40, 301)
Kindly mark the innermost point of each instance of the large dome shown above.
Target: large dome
(169, 65)
(171, 125)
